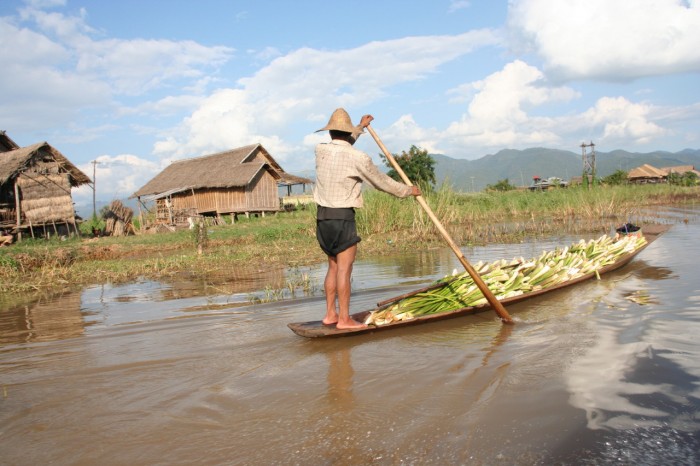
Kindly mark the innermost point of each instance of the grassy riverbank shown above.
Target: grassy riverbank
(386, 224)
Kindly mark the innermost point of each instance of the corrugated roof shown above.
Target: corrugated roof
(13, 162)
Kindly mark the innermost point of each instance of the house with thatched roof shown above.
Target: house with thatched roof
(680, 169)
(35, 189)
(239, 181)
(649, 174)
(7, 144)
(646, 174)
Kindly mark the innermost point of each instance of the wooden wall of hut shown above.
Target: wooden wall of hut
(261, 194)
(220, 200)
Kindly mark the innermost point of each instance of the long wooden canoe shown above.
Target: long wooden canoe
(317, 329)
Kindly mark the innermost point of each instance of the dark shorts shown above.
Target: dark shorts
(336, 230)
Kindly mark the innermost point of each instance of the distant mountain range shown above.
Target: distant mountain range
(520, 166)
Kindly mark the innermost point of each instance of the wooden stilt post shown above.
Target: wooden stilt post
(18, 209)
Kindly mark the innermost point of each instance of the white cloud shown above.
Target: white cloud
(37, 90)
(79, 135)
(406, 129)
(498, 117)
(613, 40)
(45, 3)
(622, 120)
(119, 176)
(458, 5)
(292, 88)
(54, 71)
(307, 79)
(169, 105)
(64, 28)
(224, 120)
(137, 66)
(131, 66)
(24, 47)
(497, 114)
(266, 54)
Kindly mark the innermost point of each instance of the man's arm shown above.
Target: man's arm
(360, 129)
(378, 180)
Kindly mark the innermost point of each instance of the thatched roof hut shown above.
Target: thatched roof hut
(243, 180)
(646, 174)
(35, 188)
(680, 169)
(7, 144)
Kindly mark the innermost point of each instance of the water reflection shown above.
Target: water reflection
(47, 319)
(645, 272)
(182, 296)
(598, 386)
(643, 369)
(236, 281)
(340, 375)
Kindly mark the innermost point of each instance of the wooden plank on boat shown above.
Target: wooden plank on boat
(317, 329)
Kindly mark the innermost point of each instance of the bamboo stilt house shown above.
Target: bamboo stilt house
(35, 190)
(238, 181)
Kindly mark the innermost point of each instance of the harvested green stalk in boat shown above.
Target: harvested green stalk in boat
(510, 278)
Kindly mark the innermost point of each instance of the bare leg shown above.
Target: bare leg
(330, 286)
(344, 262)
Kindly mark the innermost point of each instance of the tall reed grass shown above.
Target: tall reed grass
(288, 239)
(491, 215)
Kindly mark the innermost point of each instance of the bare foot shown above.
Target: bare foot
(350, 324)
(330, 320)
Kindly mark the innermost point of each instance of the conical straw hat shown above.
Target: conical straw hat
(340, 121)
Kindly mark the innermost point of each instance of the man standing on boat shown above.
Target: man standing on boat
(340, 171)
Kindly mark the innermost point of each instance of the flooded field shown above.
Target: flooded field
(189, 372)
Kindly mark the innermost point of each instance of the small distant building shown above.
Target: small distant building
(35, 189)
(680, 170)
(646, 174)
(578, 180)
(245, 180)
(539, 184)
(649, 174)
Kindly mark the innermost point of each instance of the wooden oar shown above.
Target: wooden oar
(495, 303)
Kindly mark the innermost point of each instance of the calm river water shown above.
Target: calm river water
(152, 373)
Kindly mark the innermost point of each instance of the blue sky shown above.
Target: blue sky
(135, 85)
